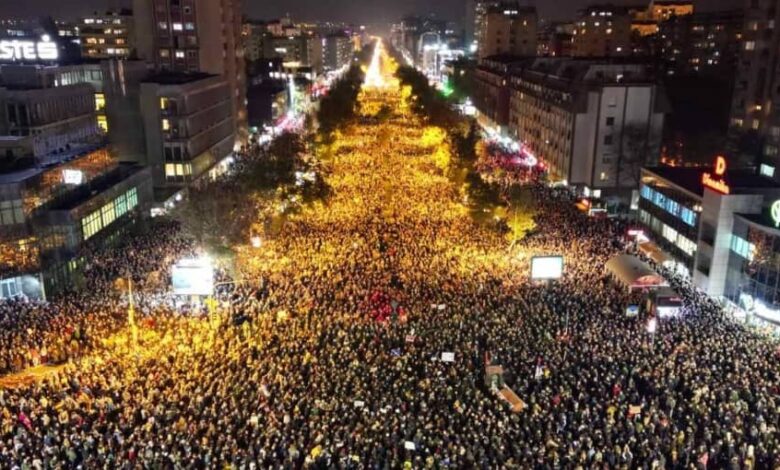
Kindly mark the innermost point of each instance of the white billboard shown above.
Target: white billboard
(193, 277)
(546, 267)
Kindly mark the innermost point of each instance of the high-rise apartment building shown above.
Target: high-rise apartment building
(187, 125)
(107, 36)
(602, 31)
(702, 43)
(754, 110)
(480, 10)
(554, 40)
(594, 123)
(646, 21)
(509, 29)
(337, 50)
(195, 35)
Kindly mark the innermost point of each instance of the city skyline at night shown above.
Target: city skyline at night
(371, 11)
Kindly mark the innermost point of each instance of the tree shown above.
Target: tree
(480, 192)
(521, 213)
(338, 106)
(218, 217)
(465, 142)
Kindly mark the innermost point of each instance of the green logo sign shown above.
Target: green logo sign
(776, 213)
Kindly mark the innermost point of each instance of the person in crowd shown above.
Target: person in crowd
(331, 356)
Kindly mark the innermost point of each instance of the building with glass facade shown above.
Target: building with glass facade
(754, 265)
(706, 223)
(54, 206)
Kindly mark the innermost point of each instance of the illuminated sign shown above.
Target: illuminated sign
(72, 176)
(28, 51)
(775, 211)
(720, 166)
(717, 183)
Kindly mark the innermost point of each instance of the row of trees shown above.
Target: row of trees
(268, 183)
(339, 106)
(513, 206)
(225, 213)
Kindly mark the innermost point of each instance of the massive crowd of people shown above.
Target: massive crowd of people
(332, 355)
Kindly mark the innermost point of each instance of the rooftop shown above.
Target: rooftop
(45, 162)
(690, 179)
(177, 78)
(81, 194)
(763, 220)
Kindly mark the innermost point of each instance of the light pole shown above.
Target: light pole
(131, 314)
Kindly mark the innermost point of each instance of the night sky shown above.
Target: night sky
(368, 11)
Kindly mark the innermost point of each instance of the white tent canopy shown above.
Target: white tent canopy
(633, 273)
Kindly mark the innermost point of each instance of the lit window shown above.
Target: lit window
(132, 198)
(750, 45)
(11, 212)
(166, 125)
(688, 216)
(108, 214)
(669, 233)
(120, 205)
(165, 53)
(178, 27)
(91, 224)
(102, 123)
(163, 103)
(162, 25)
(743, 248)
(603, 176)
(179, 54)
(100, 101)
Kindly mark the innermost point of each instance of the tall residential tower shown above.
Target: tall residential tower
(195, 35)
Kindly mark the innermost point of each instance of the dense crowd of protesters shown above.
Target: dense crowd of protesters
(298, 370)
(34, 333)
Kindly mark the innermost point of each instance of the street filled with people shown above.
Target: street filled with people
(360, 336)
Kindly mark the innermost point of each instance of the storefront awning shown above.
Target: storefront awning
(633, 273)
